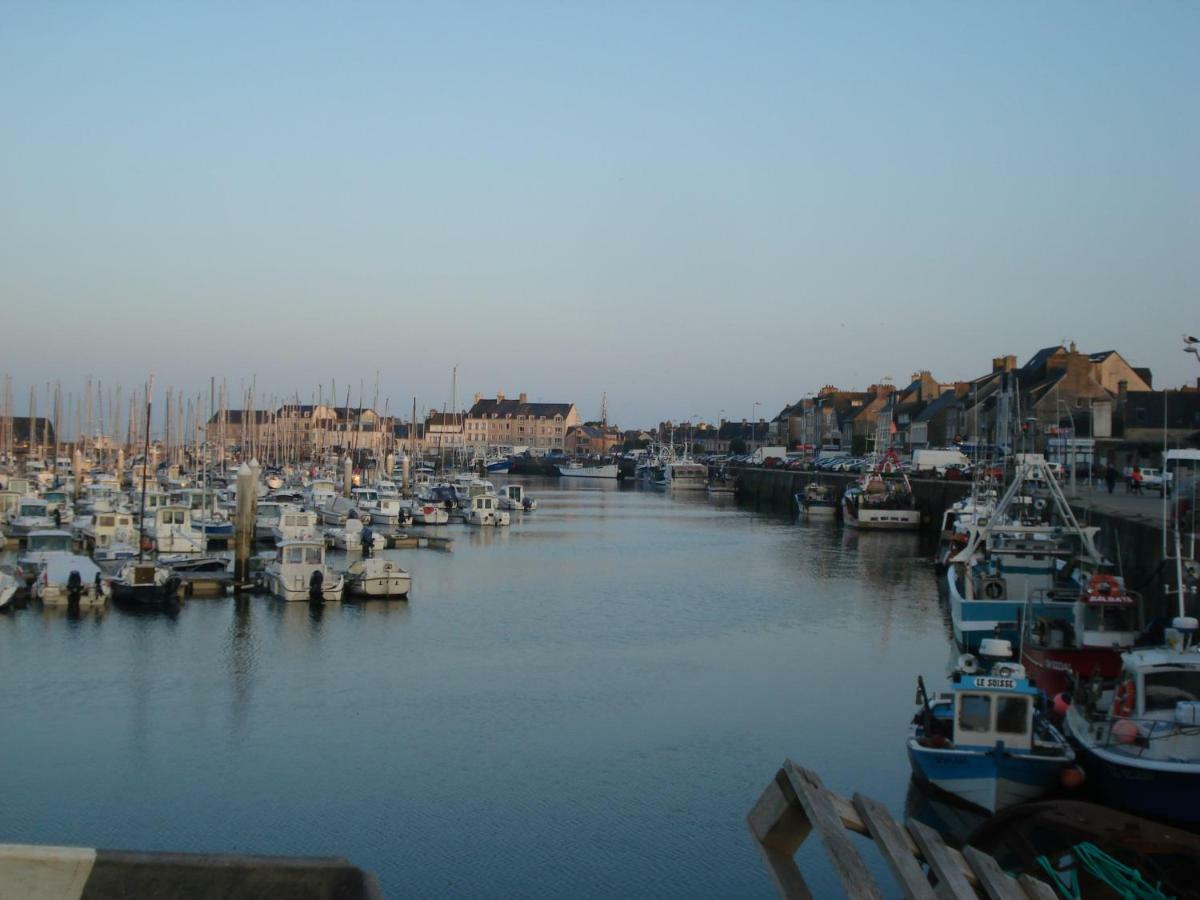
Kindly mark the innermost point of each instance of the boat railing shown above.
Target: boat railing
(1135, 735)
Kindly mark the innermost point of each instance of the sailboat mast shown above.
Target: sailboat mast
(145, 472)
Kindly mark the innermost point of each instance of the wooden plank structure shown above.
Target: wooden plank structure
(796, 803)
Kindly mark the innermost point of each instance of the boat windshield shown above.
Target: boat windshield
(1012, 714)
(975, 713)
(1108, 618)
(1166, 687)
(49, 542)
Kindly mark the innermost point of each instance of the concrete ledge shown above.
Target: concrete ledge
(70, 873)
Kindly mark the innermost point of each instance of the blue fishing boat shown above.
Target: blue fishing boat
(1027, 557)
(1140, 741)
(499, 466)
(987, 742)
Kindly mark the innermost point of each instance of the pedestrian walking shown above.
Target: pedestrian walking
(1137, 480)
(1110, 477)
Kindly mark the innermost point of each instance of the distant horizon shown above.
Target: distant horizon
(270, 400)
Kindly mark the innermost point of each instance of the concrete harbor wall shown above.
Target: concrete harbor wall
(775, 488)
(1132, 541)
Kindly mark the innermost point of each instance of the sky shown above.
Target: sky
(692, 207)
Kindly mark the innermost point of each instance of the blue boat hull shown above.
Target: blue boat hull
(1141, 790)
(991, 779)
(499, 468)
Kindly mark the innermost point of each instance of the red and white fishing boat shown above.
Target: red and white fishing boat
(1082, 637)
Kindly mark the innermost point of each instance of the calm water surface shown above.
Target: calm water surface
(584, 704)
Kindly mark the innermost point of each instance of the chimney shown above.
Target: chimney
(478, 397)
(499, 397)
(523, 398)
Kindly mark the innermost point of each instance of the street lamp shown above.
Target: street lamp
(753, 413)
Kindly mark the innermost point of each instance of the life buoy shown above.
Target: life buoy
(1123, 699)
(993, 590)
(1104, 586)
(1039, 504)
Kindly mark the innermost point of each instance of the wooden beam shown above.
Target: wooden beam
(847, 864)
(994, 881)
(1037, 889)
(955, 878)
(779, 828)
(896, 847)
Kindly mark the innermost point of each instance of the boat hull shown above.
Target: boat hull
(869, 519)
(991, 779)
(1150, 788)
(299, 592)
(609, 471)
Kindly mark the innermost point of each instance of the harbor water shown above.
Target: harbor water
(586, 703)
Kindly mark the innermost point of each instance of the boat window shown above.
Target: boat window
(975, 713)
(107, 521)
(1108, 618)
(1166, 688)
(295, 554)
(312, 555)
(1012, 715)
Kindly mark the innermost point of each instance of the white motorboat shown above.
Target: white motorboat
(485, 512)
(350, 537)
(32, 514)
(320, 492)
(266, 518)
(41, 546)
(513, 497)
(377, 577)
(296, 524)
(110, 536)
(386, 512)
(299, 573)
(337, 511)
(68, 578)
(9, 586)
(429, 511)
(171, 531)
(579, 470)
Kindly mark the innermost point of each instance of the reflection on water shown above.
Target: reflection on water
(587, 702)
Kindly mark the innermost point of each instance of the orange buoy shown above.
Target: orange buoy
(1062, 702)
(1072, 777)
(1125, 731)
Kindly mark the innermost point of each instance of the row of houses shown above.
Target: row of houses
(1061, 401)
(491, 424)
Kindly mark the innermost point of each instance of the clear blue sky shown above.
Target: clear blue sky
(691, 206)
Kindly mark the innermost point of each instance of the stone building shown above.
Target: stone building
(500, 422)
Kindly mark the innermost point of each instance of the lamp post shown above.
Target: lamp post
(753, 413)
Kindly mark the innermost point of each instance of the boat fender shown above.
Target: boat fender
(147, 544)
(1062, 703)
(993, 590)
(1123, 699)
(1072, 777)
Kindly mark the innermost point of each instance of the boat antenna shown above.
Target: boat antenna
(145, 465)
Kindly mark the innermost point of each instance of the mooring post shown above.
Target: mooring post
(243, 539)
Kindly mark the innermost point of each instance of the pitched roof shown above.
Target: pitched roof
(486, 409)
(936, 406)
